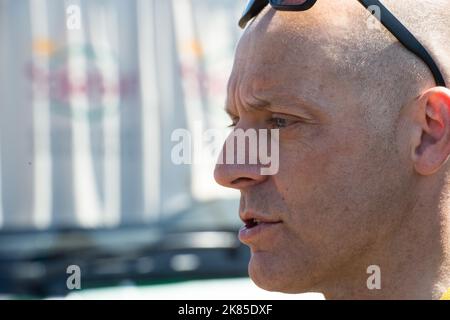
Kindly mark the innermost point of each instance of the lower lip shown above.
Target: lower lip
(248, 234)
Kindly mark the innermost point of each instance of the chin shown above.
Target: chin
(273, 276)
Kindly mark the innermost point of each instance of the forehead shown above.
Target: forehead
(303, 54)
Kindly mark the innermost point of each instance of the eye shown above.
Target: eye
(282, 121)
(279, 122)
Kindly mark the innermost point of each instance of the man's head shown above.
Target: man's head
(364, 136)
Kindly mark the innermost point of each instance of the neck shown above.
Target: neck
(414, 262)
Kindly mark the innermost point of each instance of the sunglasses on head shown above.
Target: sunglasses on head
(386, 18)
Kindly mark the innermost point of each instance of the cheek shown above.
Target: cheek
(325, 192)
(332, 199)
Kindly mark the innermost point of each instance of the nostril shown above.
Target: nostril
(237, 177)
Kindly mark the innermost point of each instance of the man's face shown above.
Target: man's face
(340, 186)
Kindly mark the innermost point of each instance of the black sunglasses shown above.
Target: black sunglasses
(386, 18)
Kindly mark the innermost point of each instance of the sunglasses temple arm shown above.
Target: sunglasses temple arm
(406, 38)
(253, 9)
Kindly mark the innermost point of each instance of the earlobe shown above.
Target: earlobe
(433, 148)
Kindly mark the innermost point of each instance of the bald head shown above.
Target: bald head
(344, 48)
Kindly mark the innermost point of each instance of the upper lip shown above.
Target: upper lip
(249, 216)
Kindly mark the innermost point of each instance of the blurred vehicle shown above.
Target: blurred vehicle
(90, 94)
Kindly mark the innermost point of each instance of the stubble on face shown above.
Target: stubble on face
(338, 188)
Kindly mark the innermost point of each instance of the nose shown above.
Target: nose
(238, 174)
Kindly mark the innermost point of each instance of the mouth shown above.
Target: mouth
(256, 228)
(251, 223)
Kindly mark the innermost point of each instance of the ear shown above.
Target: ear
(431, 148)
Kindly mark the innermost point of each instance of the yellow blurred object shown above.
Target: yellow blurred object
(44, 47)
(194, 47)
(446, 296)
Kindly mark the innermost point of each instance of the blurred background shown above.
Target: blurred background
(87, 111)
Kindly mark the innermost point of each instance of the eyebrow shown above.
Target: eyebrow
(250, 107)
(298, 105)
